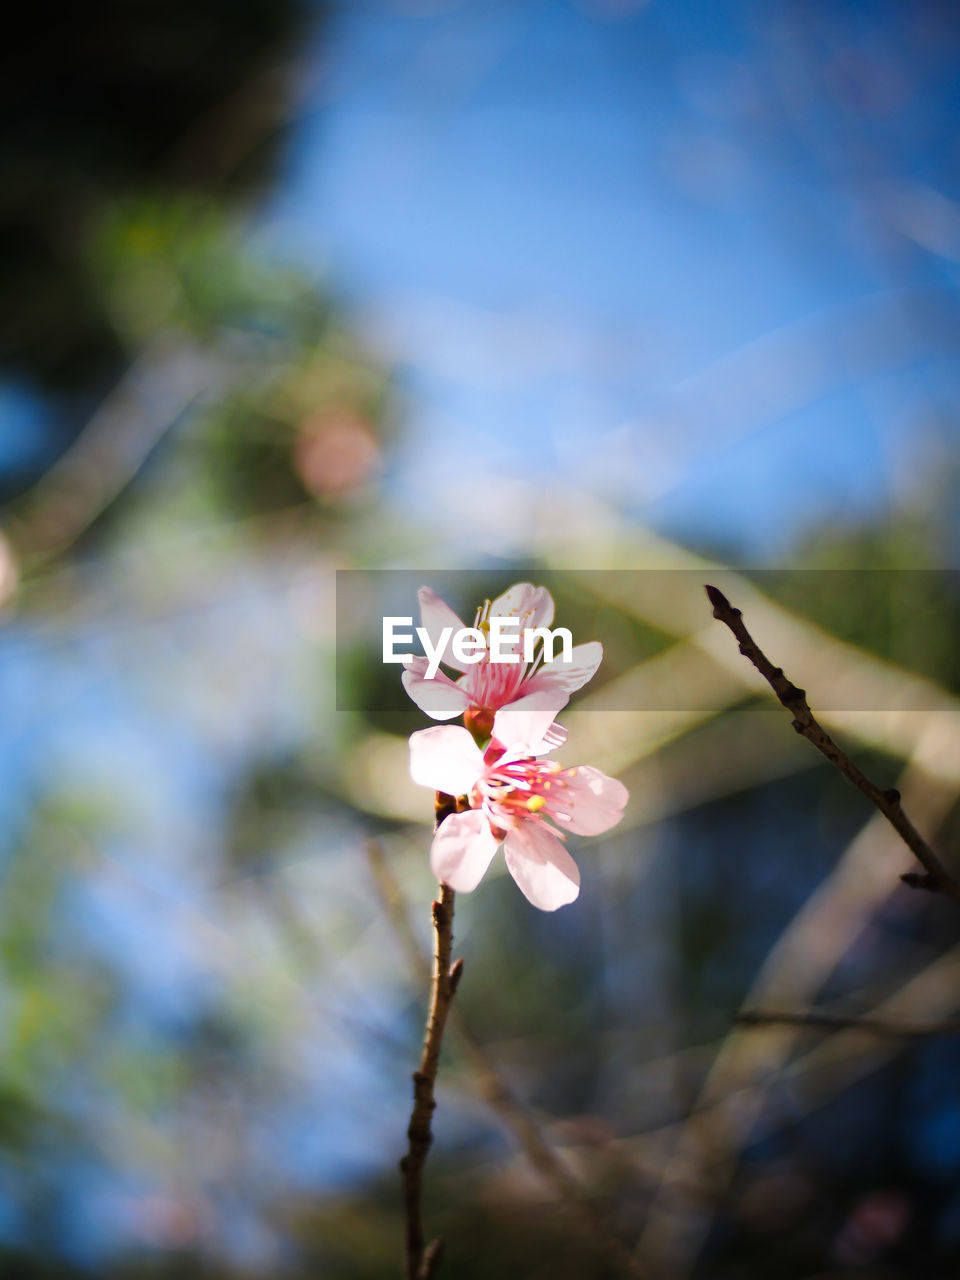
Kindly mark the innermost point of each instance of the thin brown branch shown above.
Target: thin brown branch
(431, 1260)
(841, 1022)
(498, 1095)
(421, 1263)
(936, 877)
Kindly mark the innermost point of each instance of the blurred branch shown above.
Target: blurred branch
(816, 1077)
(937, 876)
(751, 1066)
(589, 531)
(166, 378)
(498, 1095)
(422, 1263)
(840, 1022)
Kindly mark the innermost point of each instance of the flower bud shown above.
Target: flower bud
(479, 721)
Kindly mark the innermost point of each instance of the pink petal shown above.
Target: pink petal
(573, 675)
(541, 866)
(439, 696)
(532, 605)
(593, 801)
(435, 615)
(445, 758)
(528, 722)
(462, 849)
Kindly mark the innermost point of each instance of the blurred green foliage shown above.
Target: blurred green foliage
(161, 98)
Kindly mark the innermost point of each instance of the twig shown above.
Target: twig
(936, 878)
(841, 1022)
(494, 1090)
(422, 1263)
(431, 1259)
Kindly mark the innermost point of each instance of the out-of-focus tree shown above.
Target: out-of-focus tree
(102, 101)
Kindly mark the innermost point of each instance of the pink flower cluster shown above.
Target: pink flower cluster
(514, 796)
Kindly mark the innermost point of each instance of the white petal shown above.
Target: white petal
(573, 675)
(541, 866)
(435, 616)
(445, 758)
(593, 801)
(439, 696)
(527, 722)
(462, 849)
(532, 605)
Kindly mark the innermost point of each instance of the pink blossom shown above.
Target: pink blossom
(484, 687)
(526, 804)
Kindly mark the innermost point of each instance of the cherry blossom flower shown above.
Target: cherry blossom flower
(484, 687)
(525, 803)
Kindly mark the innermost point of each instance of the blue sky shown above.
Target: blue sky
(561, 221)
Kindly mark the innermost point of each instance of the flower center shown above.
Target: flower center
(522, 789)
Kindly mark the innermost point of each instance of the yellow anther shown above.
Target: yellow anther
(536, 803)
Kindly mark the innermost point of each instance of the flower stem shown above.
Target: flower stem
(421, 1262)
